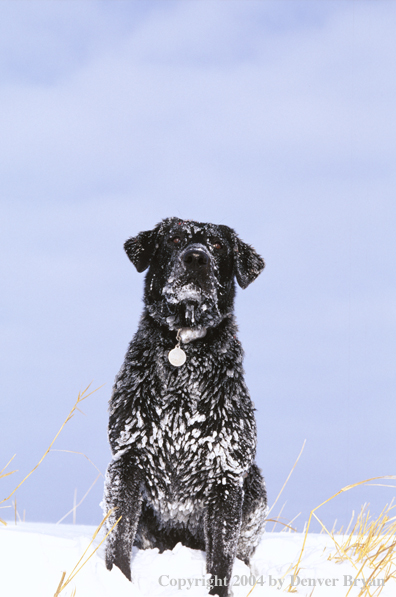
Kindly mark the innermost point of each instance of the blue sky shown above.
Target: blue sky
(276, 118)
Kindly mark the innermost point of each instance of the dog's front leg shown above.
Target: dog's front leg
(123, 495)
(222, 526)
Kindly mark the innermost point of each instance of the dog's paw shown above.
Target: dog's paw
(219, 591)
(120, 561)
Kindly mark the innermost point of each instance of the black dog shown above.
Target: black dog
(182, 429)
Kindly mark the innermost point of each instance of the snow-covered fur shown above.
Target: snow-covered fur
(184, 437)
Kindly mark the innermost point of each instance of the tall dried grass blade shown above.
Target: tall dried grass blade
(282, 523)
(81, 396)
(353, 584)
(9, 462)
(79, 503)
(58, 590)
(280, 512)
(288, 477)
(81, 454)
(8, 474)
(78, 567)
(292, 520)
(350, 522)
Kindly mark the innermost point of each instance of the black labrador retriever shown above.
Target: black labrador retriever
(182, 429)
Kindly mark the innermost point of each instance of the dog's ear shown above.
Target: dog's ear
(247, 263)
(141, 248)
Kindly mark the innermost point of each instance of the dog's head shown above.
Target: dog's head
(191, 270)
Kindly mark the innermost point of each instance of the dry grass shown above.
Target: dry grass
(85, 558)
(370, 546)
(277, 520)
(287, 478)
(81, 396)
(2, 475)
(75, 505)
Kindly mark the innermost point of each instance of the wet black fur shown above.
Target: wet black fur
(184, 438)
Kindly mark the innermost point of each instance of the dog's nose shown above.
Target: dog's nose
(196, 259)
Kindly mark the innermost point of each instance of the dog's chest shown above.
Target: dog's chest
(182, 433)
(175, 436)
(182, 460)
(189, 429)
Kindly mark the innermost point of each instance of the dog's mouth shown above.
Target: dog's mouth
(191, 291)
(186, 290)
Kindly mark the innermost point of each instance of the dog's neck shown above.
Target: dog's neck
(189, 334)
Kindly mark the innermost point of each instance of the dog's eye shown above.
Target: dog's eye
(175, 240)
(217, 245)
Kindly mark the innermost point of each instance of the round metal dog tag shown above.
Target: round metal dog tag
(177, 357)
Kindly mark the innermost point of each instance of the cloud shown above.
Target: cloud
(193, 94)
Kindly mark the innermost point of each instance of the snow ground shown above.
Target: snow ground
(34, 555)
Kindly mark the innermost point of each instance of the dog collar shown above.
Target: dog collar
(177, 356)
(186, 335)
